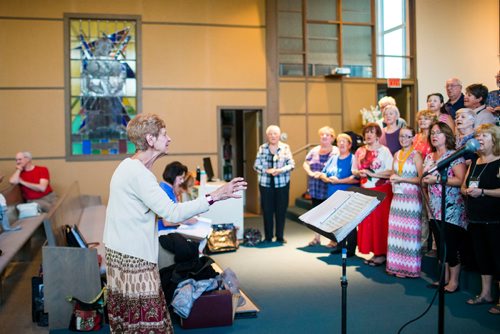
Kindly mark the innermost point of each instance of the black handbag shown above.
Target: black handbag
(222, 239)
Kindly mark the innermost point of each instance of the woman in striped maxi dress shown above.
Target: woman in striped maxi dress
(403, 241)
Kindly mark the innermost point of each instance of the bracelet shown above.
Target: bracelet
(209, 199)
(482, 192)
(438, 178)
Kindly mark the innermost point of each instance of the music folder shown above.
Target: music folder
(340, 213)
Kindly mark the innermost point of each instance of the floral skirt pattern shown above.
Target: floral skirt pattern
(136, 303)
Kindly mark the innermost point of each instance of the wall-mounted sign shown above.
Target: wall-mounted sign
(393, 83)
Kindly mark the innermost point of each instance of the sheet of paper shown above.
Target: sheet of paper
(341, 212)
(201, 229)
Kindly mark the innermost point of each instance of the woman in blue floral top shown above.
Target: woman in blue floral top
(443, 145)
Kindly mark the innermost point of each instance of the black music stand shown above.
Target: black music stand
(332, 236)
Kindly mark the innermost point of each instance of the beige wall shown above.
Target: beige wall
(197, 55)
(456, 38)
(306, 106)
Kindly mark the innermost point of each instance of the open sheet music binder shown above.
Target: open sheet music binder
(342, 212)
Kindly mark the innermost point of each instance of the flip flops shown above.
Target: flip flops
(478, 300)
(314, 242)
(495, 310)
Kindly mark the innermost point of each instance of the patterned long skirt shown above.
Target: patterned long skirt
(404, 239)
(136, 303)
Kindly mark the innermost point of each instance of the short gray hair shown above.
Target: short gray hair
(467, 111)
(27, 155)
(273, 127)
(391, 107)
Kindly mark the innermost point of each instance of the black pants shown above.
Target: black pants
(454, 243)
(274, 203)
(486, 249)
(350, 242)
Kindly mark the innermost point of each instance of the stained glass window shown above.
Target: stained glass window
(103, 85)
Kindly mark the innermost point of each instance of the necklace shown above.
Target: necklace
(479, 176)
(402, 160)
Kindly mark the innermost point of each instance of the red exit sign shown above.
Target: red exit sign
(394, 83)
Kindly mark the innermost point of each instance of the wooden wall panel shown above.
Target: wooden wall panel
(32, 120)
(191, 116)
(294, 127)
(292, 97)
(241, 12)
(324, 97)
(31, 53)
(357, 95)
(316, 122)
(203, 56)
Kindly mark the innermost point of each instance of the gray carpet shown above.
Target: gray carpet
(298, 291)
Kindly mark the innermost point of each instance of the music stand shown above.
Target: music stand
(348, 227)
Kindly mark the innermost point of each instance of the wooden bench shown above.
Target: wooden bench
(71, 271)
(17, 245)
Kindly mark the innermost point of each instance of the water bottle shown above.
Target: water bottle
(203, 178)
(198, 176)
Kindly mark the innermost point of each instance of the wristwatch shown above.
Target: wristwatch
(482, 192)
(209, 199)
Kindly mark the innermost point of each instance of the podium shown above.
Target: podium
(336, 217)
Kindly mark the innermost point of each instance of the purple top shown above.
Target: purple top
(391, 140)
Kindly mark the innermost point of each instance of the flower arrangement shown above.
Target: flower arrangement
(372, 115)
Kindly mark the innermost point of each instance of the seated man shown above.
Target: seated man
(34, 181)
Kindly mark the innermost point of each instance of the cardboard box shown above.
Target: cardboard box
(212, 309)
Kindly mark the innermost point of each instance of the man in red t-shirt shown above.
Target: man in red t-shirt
(34, 181)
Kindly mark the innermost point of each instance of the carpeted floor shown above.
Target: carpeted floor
(298, 291)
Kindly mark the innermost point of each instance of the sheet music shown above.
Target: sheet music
(341, 212)
(200, 229)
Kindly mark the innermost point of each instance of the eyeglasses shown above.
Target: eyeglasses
(405, 136)
(451, 86)
(435, 133)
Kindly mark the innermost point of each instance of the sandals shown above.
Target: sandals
(332, 244)
(478, 300)
(495, 310)
(314, 242)
(372, 263)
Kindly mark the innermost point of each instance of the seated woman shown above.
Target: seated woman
(173, 175)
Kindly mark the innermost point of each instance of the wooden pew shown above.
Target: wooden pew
(17, 245)
(71, 271)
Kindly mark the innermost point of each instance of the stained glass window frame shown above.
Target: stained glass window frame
(102, 62)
